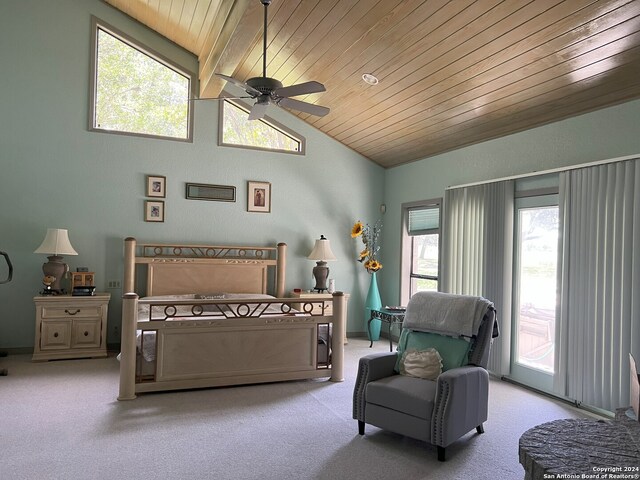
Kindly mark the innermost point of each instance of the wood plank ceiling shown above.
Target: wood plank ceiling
(452, 73)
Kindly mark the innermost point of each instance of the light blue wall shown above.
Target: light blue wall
(55, 173)
(607, 133)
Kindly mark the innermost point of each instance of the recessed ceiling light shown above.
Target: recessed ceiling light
(370, 78)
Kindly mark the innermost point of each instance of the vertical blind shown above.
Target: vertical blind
(599, 313)
(477, 253)
(598, 318)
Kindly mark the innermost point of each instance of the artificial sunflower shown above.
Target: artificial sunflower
(369, 237)
(357, 229)
(374, 265)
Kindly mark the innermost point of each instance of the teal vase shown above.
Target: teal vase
(373, 302)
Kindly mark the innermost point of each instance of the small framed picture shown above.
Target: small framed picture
(156, 186)
(259, 197)
(154, 211)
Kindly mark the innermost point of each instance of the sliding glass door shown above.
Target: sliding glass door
(535, 293)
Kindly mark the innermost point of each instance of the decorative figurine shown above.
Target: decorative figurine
(47, 281)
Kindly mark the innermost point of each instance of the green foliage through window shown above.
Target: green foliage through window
(136, 93)
(237, 129)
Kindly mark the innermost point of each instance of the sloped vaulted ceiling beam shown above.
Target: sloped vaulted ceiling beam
(235, 29)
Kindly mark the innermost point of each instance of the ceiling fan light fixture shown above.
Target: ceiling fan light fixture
(370, 78)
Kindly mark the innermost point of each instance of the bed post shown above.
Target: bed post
(129, 265)
(281, 266)
(128, 347)
(337, 337)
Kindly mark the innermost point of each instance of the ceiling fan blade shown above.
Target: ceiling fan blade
(305, 107)
(219, 98)
(258, 111)
(300, 89)
(247, 88)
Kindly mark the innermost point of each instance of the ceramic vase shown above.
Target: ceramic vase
(373, 302)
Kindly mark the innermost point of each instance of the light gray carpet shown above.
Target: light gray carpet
(61, 420)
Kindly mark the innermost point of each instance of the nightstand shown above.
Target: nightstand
(328, 304)
(71, 326)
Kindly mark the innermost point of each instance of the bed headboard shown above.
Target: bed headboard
(174, 269)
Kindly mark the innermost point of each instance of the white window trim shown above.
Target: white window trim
(406, 245)
(96, 24)
(268, 120)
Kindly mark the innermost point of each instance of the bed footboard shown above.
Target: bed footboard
(250, 347)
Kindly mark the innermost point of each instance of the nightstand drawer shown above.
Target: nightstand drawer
(314, 308)
(86, 333)
(55, 335)
(71, 311)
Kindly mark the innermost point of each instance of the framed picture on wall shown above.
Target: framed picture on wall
(156, 186)
(154, 211)
(258, 197)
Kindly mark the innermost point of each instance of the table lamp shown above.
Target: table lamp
(56, 243)
(322, 253)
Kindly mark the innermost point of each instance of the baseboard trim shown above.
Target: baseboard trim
(593, 410)
(17, 350)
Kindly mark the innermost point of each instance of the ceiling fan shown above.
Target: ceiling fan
(267, 91)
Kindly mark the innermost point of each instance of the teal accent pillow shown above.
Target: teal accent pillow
(454, 351)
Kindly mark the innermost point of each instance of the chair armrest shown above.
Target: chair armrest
(461, 404)
(370, 368)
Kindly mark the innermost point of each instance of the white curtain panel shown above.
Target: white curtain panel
(477, 253)
(599, 313)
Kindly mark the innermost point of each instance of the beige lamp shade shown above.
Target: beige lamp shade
(56, 242)
(322, 250)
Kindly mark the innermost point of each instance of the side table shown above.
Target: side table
(318, 308)
(71, 326)
(388, 316)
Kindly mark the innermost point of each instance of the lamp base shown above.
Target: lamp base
(55, 268)
(320, 273)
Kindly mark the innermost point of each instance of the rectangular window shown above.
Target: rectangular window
(135, 91)
(420, 248)
(237, 130)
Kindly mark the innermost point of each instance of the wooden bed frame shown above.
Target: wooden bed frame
(244, 345)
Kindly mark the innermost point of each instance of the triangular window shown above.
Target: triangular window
(265, 134)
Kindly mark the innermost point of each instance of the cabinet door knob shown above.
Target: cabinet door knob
(55, 334)
(71, 313)
(86, 334)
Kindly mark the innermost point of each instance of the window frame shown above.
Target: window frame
(539, 197)
(266, 120)
(97, 24)
(406, 250)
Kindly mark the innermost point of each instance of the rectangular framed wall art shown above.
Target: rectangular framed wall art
(156, 186)
(154, 211)
(258, 197)
(205, 191)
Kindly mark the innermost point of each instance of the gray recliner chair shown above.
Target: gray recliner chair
(441, 410)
